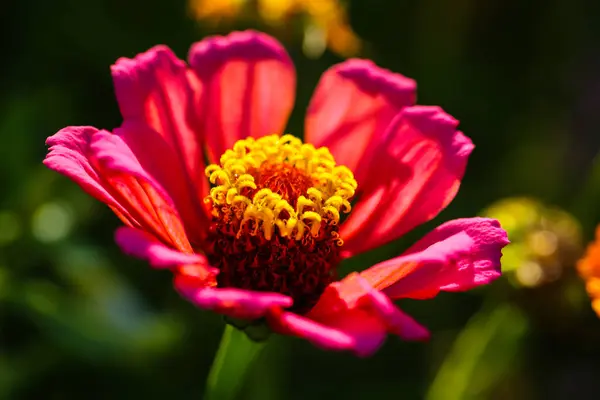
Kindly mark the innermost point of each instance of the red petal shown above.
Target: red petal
(351, 108)
(155, 95)
(161, 162)
(154, 88)
(138, 192)
(420, 163)
(457, 256)
(350, 315)
(248, 85)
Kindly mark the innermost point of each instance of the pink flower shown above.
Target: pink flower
(266, 240)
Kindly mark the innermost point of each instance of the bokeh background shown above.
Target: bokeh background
(79, 320)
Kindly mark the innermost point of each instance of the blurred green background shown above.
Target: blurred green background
(79, 320)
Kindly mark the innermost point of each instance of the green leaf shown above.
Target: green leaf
(481, 355)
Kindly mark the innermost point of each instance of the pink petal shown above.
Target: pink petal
(322, 336)
(247, 84)
(350, 315)
(192, 271)
(421, 160)
(141, 244)
(351, 108)
(354, 307)
(155, 88)
(137, 190)
(69, 155)
(161, 162)
(236, 303)
(457, 256)
(367, 330)
(396, 321)
(154, 91)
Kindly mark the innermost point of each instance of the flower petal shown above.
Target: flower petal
(191, 270)
(420, 163)
(396, 321)
(351, 315)
(248, 85)
(69, 154)
(236, 303)
(355, 308)
(161, 162)
(351, 108)
(457, 256)
(320, 335)
(155, 88)
(141, 244)
(155, 94)
(137, 191)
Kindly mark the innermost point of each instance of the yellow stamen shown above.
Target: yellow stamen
(236, 186)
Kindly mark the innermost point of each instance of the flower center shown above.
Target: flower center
(276, 206)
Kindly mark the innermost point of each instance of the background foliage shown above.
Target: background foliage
(80, 320)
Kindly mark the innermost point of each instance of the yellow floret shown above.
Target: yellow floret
(333, 187)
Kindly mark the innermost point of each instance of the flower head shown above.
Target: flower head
(258, 233)
(275, 207)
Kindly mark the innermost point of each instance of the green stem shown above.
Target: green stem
(235, 355)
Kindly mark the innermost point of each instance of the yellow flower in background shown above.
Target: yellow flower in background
(216, 10)
(324, 22)
(589, 269)
(544, 240)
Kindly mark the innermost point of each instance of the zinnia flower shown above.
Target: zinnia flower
(589, 269)
(263, 236)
